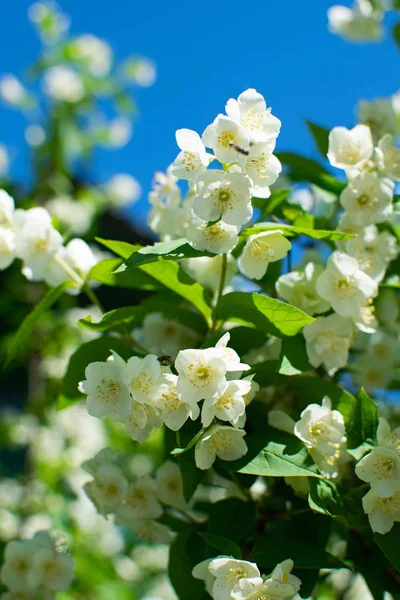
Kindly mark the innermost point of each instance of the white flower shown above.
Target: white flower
(260, 250)
(250, 588)
(323, 432)
(386, 437)
(218, 238)
(328, 341)
(349, 148)
(361, 23)
(224, 136)
(228, 572)
(262, 167)
(223, 195)
(381, 469)
(140, 420)
(382, 512)
(373, 252)
(225, 442)
(201, 374)
(4, 160)
(140, 501)
(368, 199)
(63, 84)
(54, 571)
(250, 111)
(231, 358)
(123, 189)
(36, 242)
(105, 388)
(344, 285)
(143, 378)
(96, 53)
(202, 572)
(299, 288)
(77, 255)
(281, 583)
(17, 564)
(73, 215)
(193, 158)
(7, 247)
(388, 156)
(169, 485)
(207, 271)
(143, 72)
(119, 132)
(229, 406)
(366, 320)
(108, 488)
(173, 411)
(7, 209)
(105, 456)
(12, 91)
(163, 336)
(379, 115)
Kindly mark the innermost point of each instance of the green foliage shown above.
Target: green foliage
(293, 359)
(29, 323)
(305, 555)
(232, 518)
(130, 316)
(105, 272)
(320, 136)
(222, 544)
(274, 453)
(263, 313)
(291, 230)
(122, 249)
(269, 206)
(173, 250)
(324, 497)
(396, 34)
(187, 550)
(389, 544)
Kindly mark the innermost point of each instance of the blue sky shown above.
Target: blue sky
(206, 53)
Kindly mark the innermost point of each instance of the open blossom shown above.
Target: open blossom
(169, 485)
(17, 563)
(360, 23)
(163, 336)
(225, 442)
(231, 357)
(224, 136)
(350, 148)
(373, 251)
(368, 199)
(143, 378)
(218, 238)
(299, 288)
(261, 249)
(323, 432)
(228, 572)
(207, 271)
(96, 53)
(140, 420)
(51, 569)
(388, 156)
(7, 247)
(201, 374)
(381, 469)
(36, 241)
(63, 84)
(223, 195)
(140, 501)
(173, 411)
(77, 255)
(230, 406)
(250, 111)
(281, 583)
(328, 341)
(379, 115)
(105, 388)
(262, 167)
(382, 512)
(193, 158)
(7, 208)
(107, 488)
(344, 285)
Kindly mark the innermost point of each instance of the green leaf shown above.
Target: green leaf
(291, 230)
(173, 250)
(269, 206)
(127, 315)
(105, 272)
(325, 498)
(301, 168)
(186, 551)
(122, 249)
(193, 441)
(396, 34)
(273, 549)
(95, 350)
(261, 312)
(365, 421)
(320, 136)
(222, 544)
(274, 453)
(28, 324)
(294, 359)
(173, 277)
(389, 544)
(232, 518)
(167, 305)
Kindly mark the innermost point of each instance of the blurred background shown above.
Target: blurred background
(204, 55)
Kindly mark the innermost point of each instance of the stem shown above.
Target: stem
(220, 291)
(92, 297)
(73, 274)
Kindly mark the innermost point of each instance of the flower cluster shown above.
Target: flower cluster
(36, 567)
(138, 503)
(362, 22)
(30, 236)
(142, 393)
(227, 578)
(381, 469)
